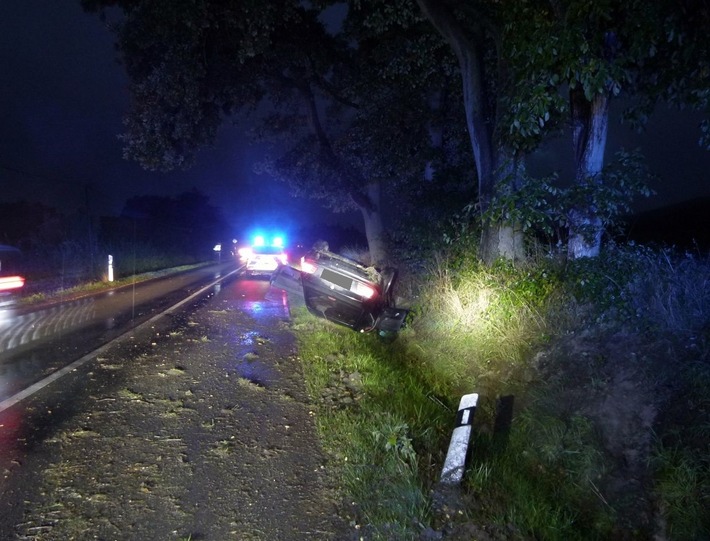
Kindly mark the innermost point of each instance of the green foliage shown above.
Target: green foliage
(535, 206)
(543, 207)
(655, 289)
(603, 282)
(477, 324)
(383, 442)
(626, 178)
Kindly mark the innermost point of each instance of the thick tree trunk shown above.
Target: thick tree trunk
(590, 121)
(504, 239)
(497, 239)
(370, 207)
(478, 115)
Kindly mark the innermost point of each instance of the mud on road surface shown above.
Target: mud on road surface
(200, 429)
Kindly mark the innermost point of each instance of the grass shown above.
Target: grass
(378, 439)
(497, 331)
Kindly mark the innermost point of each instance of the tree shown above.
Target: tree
(601, 50)
(600, 47)
(411, 123)
(474, 33)
(193, 64)
(377, 126)
(517, 60)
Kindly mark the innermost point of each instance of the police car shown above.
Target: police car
(263, 256)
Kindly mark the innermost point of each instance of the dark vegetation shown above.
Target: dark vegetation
(604, 361)
(151, 233)
(683, 225)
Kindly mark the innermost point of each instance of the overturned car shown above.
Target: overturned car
(343, 291)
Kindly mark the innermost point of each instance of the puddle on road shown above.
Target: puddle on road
(248, 338)
(265, 310)
(263, 305)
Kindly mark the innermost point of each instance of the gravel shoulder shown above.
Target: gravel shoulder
(200, 429)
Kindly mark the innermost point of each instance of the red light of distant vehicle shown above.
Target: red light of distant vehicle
(308, 266)
(11, 282)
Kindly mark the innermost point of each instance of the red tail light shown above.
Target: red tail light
(308, 266)
(363, 290)
(11, 282)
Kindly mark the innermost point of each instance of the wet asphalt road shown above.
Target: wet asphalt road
(42, 345)
(36, 341)
(36, 435)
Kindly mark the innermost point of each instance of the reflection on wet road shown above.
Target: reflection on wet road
(260, 302)
(36, 342)
(264, 305)
(20, 329)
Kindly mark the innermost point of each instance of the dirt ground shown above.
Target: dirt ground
(198, 430)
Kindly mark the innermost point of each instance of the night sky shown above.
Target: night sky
(63, 95)
(62, 99)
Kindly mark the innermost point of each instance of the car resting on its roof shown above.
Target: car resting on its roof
(344, 291)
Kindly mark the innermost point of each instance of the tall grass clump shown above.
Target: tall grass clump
(543, 481)
(671, 302)
(672, 293)
(478, 325)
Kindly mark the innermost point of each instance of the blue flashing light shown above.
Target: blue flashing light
(262, 239)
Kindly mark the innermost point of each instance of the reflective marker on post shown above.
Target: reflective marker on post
(455, 462)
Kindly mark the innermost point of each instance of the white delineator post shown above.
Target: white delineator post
(455, 462)
(110, 268)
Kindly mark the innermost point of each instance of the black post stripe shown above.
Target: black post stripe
(460, 416)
